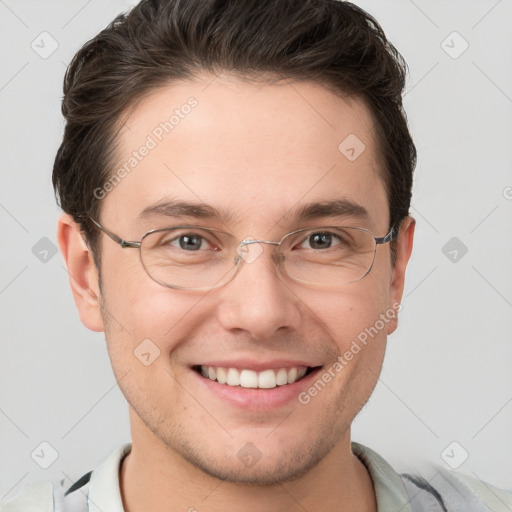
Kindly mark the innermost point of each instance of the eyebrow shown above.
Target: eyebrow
(336, 208)
(175, 208)
(308, 211)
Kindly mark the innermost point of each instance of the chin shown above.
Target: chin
(250, 466)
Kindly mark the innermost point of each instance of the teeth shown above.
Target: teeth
(233, 377)
(281, 377)
(248, 379)
(222, 376)
(266, 379)
(292, 375)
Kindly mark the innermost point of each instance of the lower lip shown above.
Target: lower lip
(258, 399)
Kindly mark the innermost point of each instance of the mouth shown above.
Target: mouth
(254, 387)
(247, 378)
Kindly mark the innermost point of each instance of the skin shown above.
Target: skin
(258, 151)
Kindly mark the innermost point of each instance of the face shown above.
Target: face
(256, 154)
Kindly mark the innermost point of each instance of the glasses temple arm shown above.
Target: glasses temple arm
(392, 235)
(123, 243)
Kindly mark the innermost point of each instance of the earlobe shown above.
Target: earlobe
(404, 246)
(83, 274)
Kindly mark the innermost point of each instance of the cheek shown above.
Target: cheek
(355, 320)
(139, 312)
(138, 306)
(352, 321)
(349, 312)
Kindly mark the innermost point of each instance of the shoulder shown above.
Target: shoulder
(47, 496)
(456, 491)
(446, 491)
(35, 496)
(476, 490)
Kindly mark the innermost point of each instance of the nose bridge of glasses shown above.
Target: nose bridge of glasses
(250, 255)
(248, 241)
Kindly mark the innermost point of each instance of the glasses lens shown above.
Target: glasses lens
(189, 257)
(328, 256)
(197, 258)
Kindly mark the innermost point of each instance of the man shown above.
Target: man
(236, 180)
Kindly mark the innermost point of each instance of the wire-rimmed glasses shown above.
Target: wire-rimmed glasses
(190, 257)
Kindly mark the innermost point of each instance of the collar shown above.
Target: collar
(389, 487)
(391, 494)
(104, 491)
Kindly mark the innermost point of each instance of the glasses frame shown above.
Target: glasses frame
(238, 260)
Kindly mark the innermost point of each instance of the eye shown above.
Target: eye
(189, 242)
(322, 240)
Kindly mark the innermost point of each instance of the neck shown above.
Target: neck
(155, 478)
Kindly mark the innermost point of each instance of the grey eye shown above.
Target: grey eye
(321, 240)
(189, 242)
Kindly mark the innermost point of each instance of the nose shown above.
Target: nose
(259, 300)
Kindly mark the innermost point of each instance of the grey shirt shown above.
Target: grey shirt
(99, 491)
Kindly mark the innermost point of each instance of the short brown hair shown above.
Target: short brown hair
(331, 42)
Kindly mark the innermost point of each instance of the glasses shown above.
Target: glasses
(197, 258)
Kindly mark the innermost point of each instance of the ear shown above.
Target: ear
(83, 274)
(403, 253)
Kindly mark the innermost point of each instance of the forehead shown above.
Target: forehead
(255, 151)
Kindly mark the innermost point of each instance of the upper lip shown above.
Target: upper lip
(257, 366)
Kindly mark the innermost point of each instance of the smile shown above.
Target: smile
(246, 378)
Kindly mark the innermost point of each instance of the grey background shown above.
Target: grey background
(447, 372)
